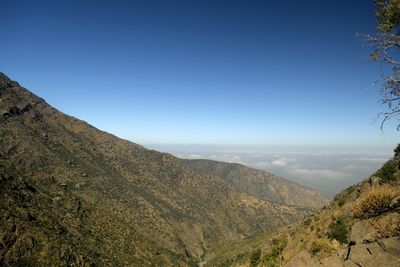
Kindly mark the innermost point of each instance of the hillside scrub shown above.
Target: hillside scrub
(323, 245)
(339, 230)
(388, 171)
(255, 257)
(375, 202)
(387, 226)
(272, 258)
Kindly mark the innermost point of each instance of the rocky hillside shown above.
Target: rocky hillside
(72, 195)
(261, 184)
(360, 227)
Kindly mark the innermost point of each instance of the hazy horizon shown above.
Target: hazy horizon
(327, 169)
(213, 73)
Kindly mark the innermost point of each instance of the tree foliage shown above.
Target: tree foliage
(386, 44)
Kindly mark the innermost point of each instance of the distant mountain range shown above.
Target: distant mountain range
(73, 195)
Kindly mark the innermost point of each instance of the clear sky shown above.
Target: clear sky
(202, 72)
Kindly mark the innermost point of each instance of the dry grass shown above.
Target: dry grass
(387, 226)
(376, 201)
(323, 247)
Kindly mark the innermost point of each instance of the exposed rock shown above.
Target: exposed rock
(363, 232)
(30, 187)
(374, 180)
(6, 114)
(391, 245)
(14, 111)
(349, 263)
(305, 259)
(37, 116)
(332, 261)
(27, 108)
(302, 259)
(372, 255)
(79, 185)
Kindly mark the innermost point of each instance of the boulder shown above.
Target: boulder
(27, 108)
(302, 259)
(391, 245)
(372, 255)
(374, 180)
(363, 232)
(6, 114)
(350, 264)
(332, 261)
(14, 111)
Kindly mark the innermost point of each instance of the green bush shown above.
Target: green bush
(344, 196)
(271, 259)
(315, 247)
(193, 263)
(397, 150)
(307, 222)
(338, 230)
(255, 257)
(386, 173)
(341, 202)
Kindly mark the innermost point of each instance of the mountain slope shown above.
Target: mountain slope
(71, 194)
(261, 184)
(360, 227)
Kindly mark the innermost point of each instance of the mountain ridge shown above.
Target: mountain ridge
(258, 183)
(75, 195)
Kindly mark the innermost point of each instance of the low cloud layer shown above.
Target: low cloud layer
(328, 170)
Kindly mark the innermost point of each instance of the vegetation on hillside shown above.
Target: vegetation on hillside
(74, 195)
(365, 213)
(376, 201)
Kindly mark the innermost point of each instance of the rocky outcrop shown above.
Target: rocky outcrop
(384, 252)
(305, 259)
(363, 232)
(16, 111)
(371, 255)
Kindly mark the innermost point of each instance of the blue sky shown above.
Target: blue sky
(202, 72)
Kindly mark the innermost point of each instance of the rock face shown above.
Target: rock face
(370, 255)
(72, 195)
(363, 232)
(305, 259)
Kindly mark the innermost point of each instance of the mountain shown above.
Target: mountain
(263, 185)
(360, 227)
(72, 195)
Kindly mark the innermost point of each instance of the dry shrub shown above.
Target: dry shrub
(387, 226)
(323, 247)
(376, 201)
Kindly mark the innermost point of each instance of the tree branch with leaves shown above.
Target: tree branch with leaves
(386, 50)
